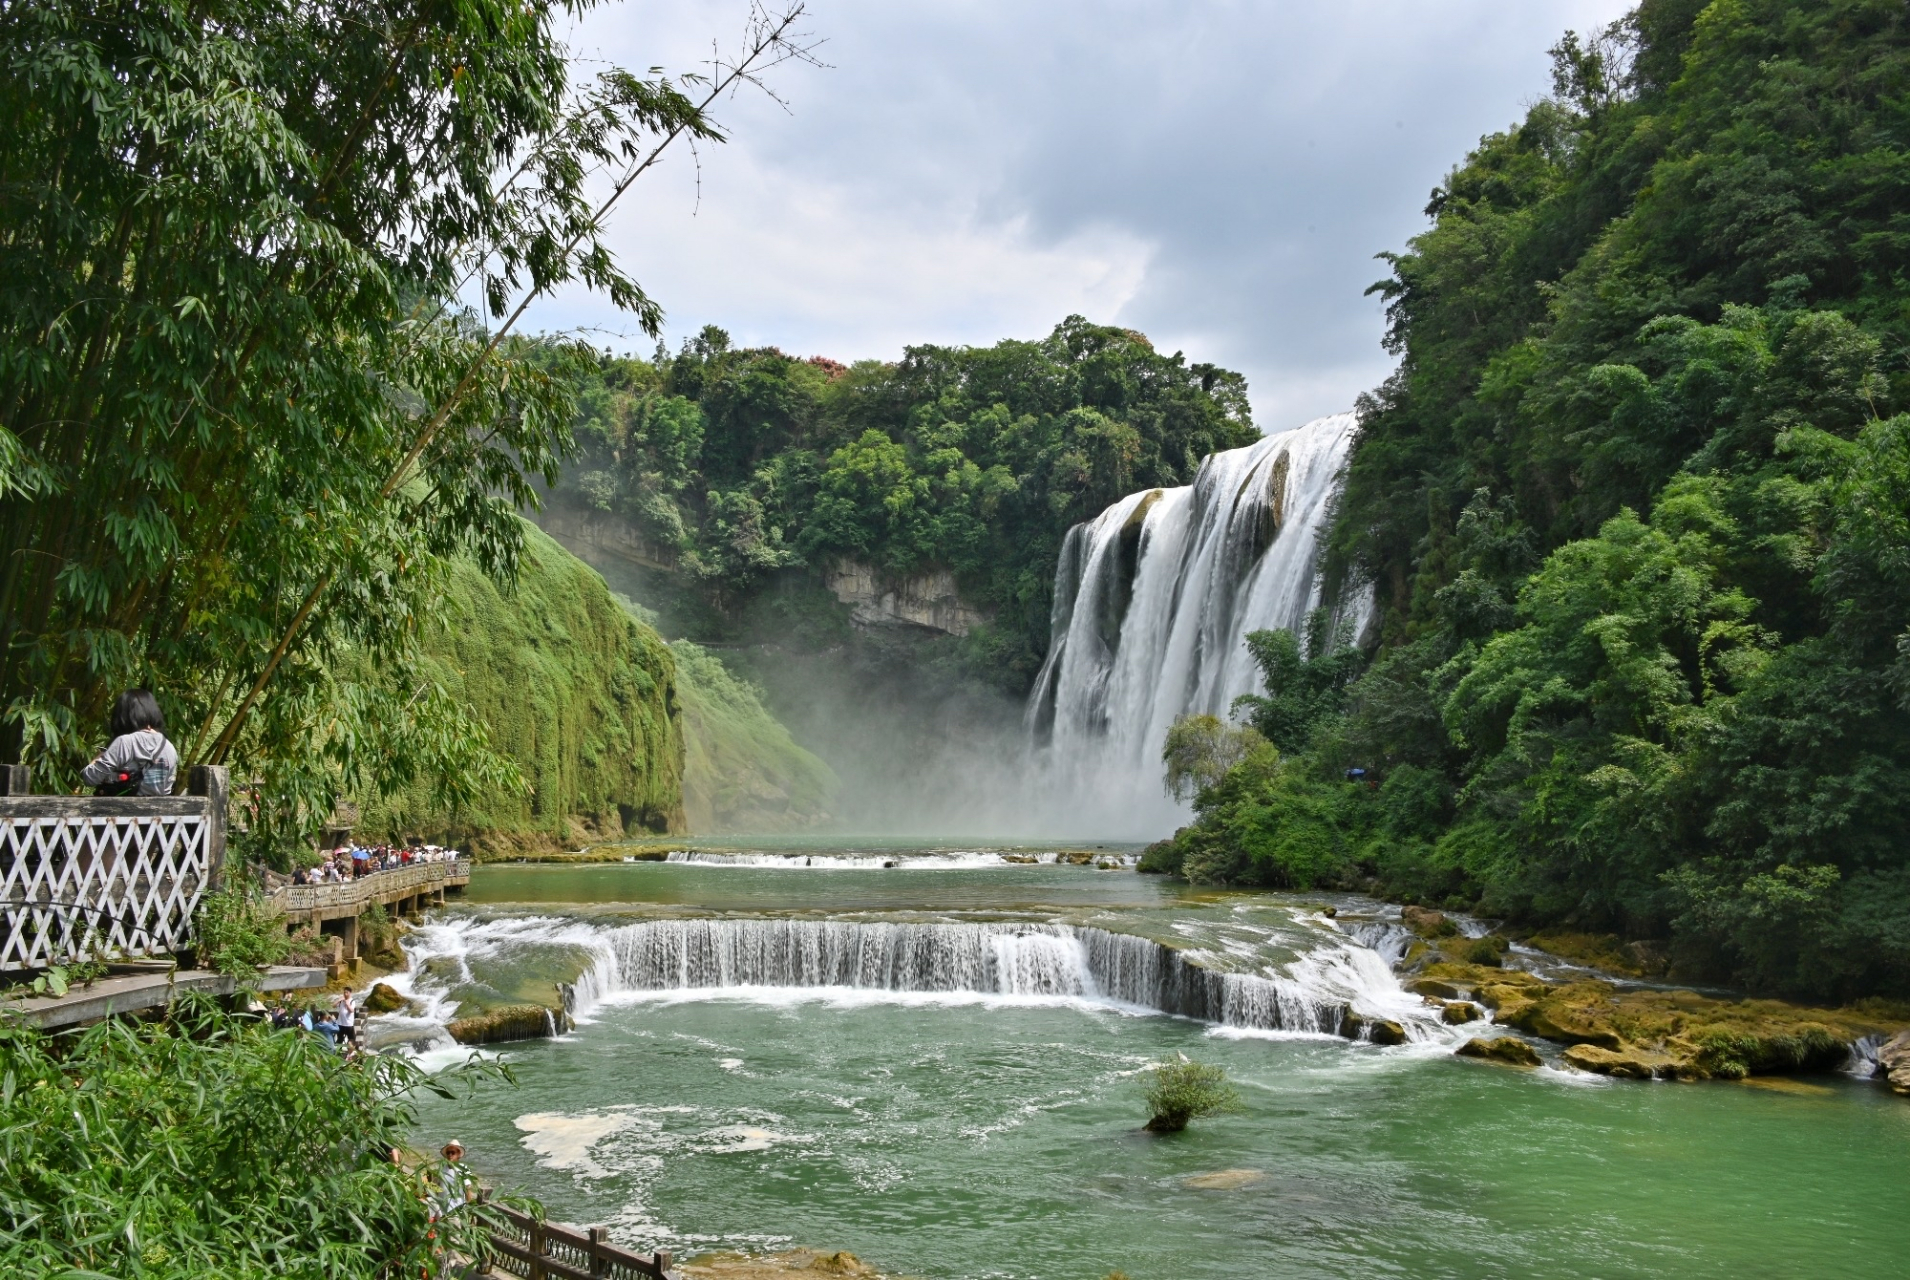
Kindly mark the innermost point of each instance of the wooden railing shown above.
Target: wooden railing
(537, 1250)
(297, 899)
(92, 877)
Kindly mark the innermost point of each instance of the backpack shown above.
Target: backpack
(125, 782)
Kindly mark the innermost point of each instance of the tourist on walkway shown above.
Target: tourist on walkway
(138, 761)
(347, 1018)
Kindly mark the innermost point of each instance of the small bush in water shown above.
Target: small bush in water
(1186, 1090)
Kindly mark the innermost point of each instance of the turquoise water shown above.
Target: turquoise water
(963, 1134)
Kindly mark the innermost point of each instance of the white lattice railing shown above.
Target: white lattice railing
(84, 877)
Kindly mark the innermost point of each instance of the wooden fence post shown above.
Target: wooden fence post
(539, 1246)
(210, 781)
(16, 780)
(662, 1260)
(599, 1265)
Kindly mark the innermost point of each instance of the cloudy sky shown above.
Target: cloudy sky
(1215, 174)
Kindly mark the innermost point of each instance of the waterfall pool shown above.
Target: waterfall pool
(939, 1070)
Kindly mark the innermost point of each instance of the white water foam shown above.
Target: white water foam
(951, 861)
(779, 960)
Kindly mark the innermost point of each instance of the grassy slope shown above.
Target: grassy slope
(742, 771)
(580, 695)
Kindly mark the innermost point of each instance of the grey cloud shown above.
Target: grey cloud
(1262, 153)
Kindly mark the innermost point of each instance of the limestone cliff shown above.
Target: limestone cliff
(927, 600)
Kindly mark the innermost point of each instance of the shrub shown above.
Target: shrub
(1184, 1090)
(238, 935)
(214, 1145)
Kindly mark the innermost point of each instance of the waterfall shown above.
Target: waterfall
(1312, 993)
(1154, 598)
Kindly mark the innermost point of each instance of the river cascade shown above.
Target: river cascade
(994, 959)
(1154, 598)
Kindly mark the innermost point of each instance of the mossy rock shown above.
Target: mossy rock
(1478, 976)
(1630, 1063)
(1893, 1063)
(1507, 1050)
(1428, 923)
(1356, 1026)
(512, 1022)
(382, 998)
(1606, 951)
(1460, 1012)
(1678, 1034)
(1437, 988)
(1577, 1014)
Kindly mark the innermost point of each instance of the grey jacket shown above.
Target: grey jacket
(147, 749)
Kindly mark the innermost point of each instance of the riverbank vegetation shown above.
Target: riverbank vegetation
(211, 1144)
(1633, 507)
(746, 474)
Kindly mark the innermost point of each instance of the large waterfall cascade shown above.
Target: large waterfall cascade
(1155, 596)
(1310, 992)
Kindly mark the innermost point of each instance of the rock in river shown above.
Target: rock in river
(1509, 1050)
(1893, 1062)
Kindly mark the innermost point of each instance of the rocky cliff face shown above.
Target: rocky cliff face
(927, 600)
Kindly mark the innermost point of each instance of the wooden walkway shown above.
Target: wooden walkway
(334, 909)
(422, 881)
(129, 993)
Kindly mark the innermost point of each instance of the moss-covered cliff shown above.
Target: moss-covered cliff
(580, 695)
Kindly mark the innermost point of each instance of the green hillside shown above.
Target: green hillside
(581, 696)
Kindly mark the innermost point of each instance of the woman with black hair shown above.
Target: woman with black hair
(138, 761)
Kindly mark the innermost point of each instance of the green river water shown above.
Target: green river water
(962, 1133)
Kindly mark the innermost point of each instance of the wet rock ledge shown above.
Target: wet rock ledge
(512, 1022)
(1643, 1033)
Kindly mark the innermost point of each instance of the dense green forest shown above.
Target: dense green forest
(1636, 507)
(748, 471)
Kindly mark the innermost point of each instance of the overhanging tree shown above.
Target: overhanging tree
(244, 418)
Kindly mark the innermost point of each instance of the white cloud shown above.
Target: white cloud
(1218, 175)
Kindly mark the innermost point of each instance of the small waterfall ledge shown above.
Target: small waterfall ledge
(1155, 596)
(1313, 995)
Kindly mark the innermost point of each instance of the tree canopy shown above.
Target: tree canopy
(737, 464)
(246, 419)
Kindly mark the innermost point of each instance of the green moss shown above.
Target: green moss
(742, 771)
(580, 695)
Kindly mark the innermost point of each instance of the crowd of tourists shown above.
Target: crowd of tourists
(335, 1020)
(349, 862)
